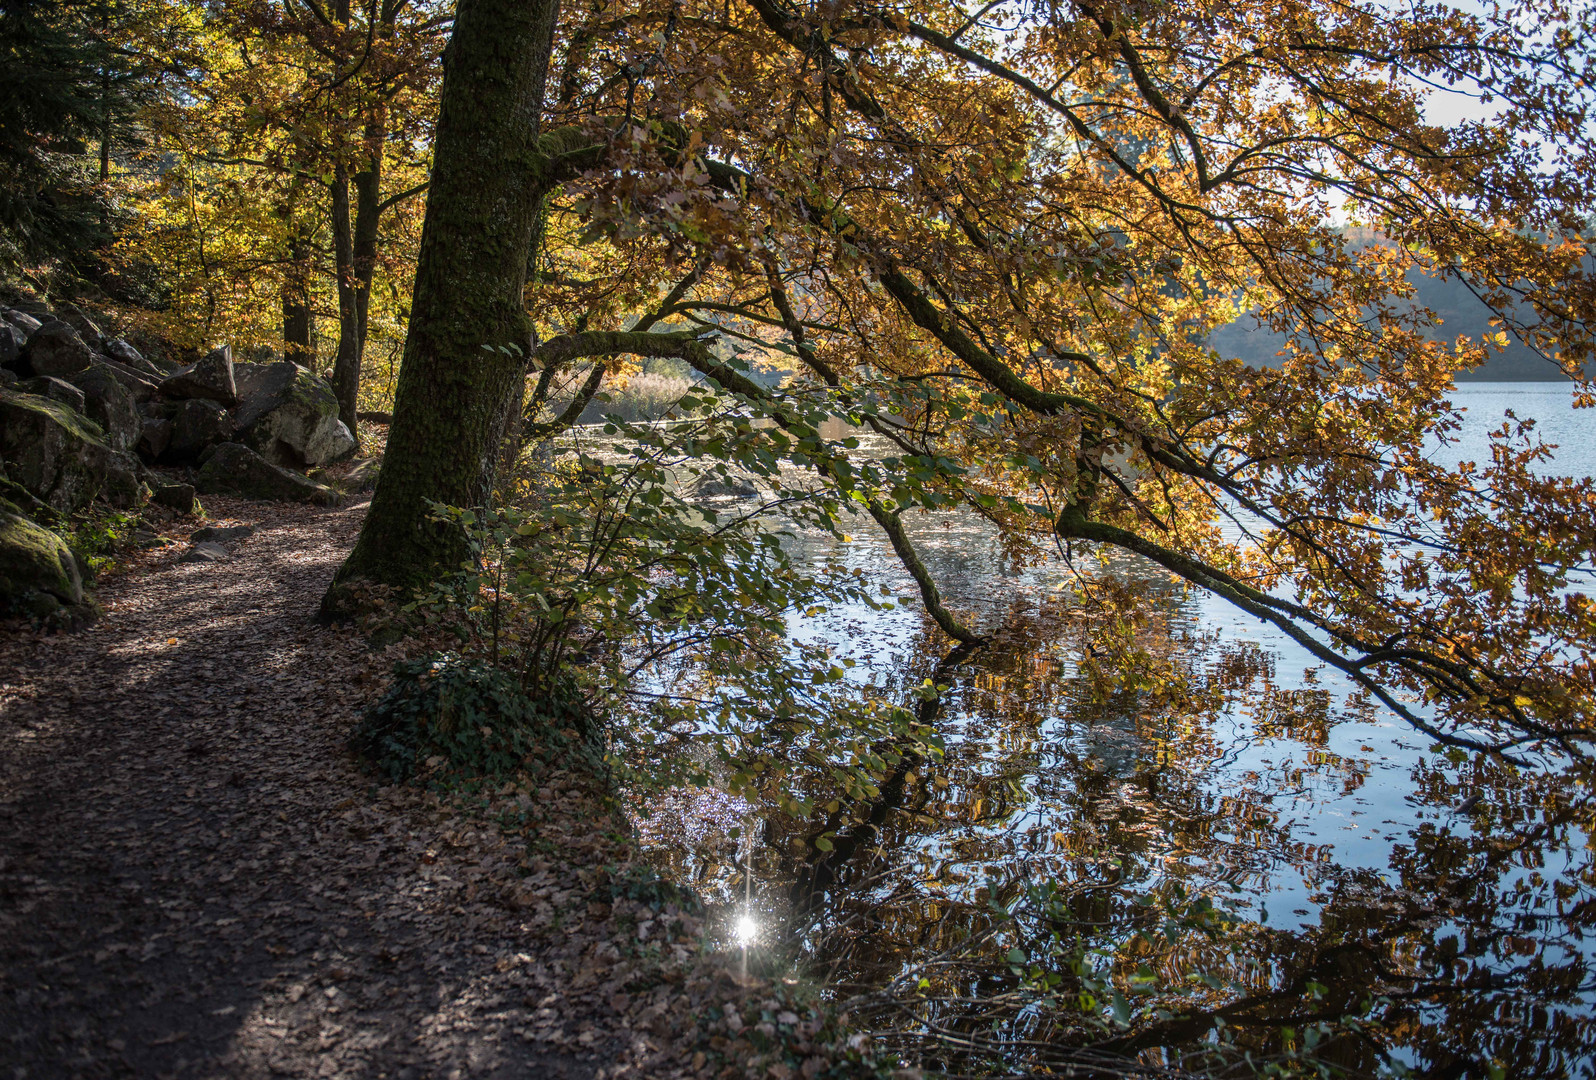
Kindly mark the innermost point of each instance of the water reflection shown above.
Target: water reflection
(1039, 898)
(1439, 904)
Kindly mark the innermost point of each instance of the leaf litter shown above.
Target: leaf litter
(197, 879)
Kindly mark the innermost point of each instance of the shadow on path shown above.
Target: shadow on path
(195, 878)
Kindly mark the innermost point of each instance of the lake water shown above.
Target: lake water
(1444, 901)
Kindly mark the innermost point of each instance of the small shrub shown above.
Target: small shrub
(474, 719)
(640, 883)
(97, 536)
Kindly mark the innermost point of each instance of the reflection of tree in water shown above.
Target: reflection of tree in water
(1071, 794)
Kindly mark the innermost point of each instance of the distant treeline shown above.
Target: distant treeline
(1460, 310)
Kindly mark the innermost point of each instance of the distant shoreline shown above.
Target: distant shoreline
(1488, 377)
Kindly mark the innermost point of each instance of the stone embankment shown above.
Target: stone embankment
(86, 418)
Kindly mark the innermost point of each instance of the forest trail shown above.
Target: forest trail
(197, 880)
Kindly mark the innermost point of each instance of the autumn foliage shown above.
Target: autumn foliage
(999, 236)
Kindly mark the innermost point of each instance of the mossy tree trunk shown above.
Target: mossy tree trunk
(465, 356)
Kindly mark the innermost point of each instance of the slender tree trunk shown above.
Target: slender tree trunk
(368, 212)
(105, 145)
(296, 300)
(356, 247)
(105, 126)
(465, 357)
(346, 362)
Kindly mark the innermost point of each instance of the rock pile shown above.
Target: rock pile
(84, 416)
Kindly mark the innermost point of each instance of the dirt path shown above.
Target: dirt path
(196, 880)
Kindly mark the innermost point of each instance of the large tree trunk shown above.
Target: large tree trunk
(464, 359)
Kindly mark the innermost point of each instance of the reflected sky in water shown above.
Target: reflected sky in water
(1353, 854)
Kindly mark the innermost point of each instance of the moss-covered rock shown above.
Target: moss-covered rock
(58, 455)
(211, 379)
(110, 404)
(237, 469)
(198, 426)
(48, 386)
(38, 574)
(290, 416)
(124, 485)
(176, 497)
(55, 349)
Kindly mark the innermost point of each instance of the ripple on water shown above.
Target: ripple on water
(1356, 860)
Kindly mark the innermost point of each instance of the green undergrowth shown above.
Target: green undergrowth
(454, 721)
(642, 884)
(97, 535)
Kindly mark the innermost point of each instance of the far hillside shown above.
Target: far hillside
(1460, 310)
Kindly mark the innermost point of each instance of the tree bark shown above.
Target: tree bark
(465, 356)
(296, 300)
(346, 362)
(356, 247)
(368, 209)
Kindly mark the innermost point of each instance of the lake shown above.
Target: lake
(1383, 904)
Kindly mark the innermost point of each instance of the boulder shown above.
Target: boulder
(27, 305)
(38, 574)
(7, 377)
(124, 481)
(22, 321)
(290, 416)
(235, 468)
(218, 534)
(250, 378)
(205, 553)
(198, 425)
(86, 327)
(123, 353)
(731, 487)
(178, 497)
(56, 454)
(110, 404)
(362, 475)
(47, 386)
(148, 539)
(55, 349)
(11, 342)
(140, 385)
(211, 379)
(154, 436)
